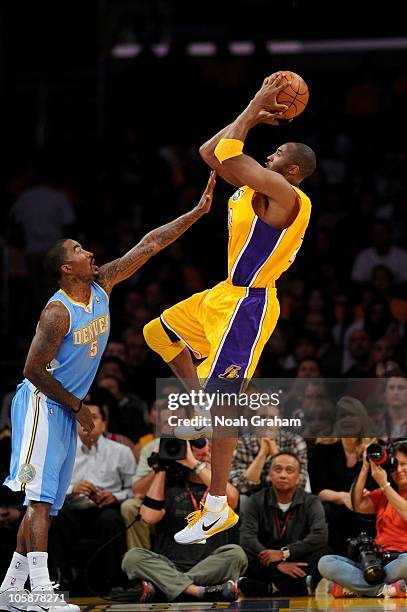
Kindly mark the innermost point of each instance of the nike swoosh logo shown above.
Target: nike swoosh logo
(199, 428)
(207, 527)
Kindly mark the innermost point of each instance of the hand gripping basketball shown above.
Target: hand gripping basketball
(282, 96)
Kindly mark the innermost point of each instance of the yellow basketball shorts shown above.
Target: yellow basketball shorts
(226, 326)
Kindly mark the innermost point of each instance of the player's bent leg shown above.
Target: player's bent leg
(159, 341)
(175, 336)
(242, 320)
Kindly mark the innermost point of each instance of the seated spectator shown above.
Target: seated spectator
(117, 350)
(376, 320)
(101, 480)
(319, 416)
(381, 252)
(360, 346)
(334, 463)
(253, 456)
(382, 282)
(202, 572)
(385, 367)
(305, 345)
(11, 506)
(328, 353)
(308, 367)
(395, 404)
(388, 405)
(390, 510)
(112, 366)
(381, 351)
(293, 399)
(139, 534)
(131, 416)
(104, 398)
(284, 534)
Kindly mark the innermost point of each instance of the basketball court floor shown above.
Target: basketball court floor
(321, 601)
(295, 604)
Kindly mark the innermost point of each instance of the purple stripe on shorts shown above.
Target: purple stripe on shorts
(237, 345)
(259, 248)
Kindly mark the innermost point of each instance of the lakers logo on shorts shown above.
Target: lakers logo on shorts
(231, 372)
(26, 473)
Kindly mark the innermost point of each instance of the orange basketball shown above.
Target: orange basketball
(295, 96)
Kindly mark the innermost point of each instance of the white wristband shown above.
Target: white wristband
(199, 467)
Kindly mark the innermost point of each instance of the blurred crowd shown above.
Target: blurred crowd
(343, 302)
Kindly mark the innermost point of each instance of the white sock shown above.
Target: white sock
(214, 503)
(17, 573)
(38, 563)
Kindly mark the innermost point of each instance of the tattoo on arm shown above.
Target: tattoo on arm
(51, 330)
(120, 269)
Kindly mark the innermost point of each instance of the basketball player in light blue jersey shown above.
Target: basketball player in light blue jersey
(71, 336)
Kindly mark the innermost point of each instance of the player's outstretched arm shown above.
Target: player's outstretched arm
(118, 270)
(242, 169)
(52, 327)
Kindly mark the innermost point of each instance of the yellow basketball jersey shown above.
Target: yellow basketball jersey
(259, 253)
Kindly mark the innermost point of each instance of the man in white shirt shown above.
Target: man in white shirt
(101, 480)
(382, 252)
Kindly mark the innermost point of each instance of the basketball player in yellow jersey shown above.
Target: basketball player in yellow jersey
(227, 326)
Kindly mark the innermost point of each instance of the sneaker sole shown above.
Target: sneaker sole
(196, 436)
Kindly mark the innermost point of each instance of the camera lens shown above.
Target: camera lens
(173, 447)
(376, 453)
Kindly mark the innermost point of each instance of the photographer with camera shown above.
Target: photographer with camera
(376, 568)
(205, 570)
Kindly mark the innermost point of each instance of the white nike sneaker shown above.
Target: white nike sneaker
(204, 523)
(201, 426)
(49, 604)
(6, 602)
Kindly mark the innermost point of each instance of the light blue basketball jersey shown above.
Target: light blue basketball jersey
(78, 358)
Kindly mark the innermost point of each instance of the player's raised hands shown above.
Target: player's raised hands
(265, 103)
(205, 203)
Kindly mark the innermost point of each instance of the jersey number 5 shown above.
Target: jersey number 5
(93, 349)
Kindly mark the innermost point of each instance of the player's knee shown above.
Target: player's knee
(326, 565)
(151, 333)
(132, 560)
(159, 341)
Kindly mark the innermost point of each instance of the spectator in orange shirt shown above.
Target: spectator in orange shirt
(390, 507)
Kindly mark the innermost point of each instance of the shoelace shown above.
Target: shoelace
(193, 517)
(215, 588)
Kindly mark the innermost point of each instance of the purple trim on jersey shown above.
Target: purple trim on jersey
(238, 343)
(259, 248)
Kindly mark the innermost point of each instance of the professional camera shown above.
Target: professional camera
(384, 454)
(365, 551)
(170, 451)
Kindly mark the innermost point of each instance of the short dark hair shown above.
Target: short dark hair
(288, 454)
(309, 358)
(302, 155)
(103, 399)
(396, 372)
(55, 258)
(120, 382)
(401, 447)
